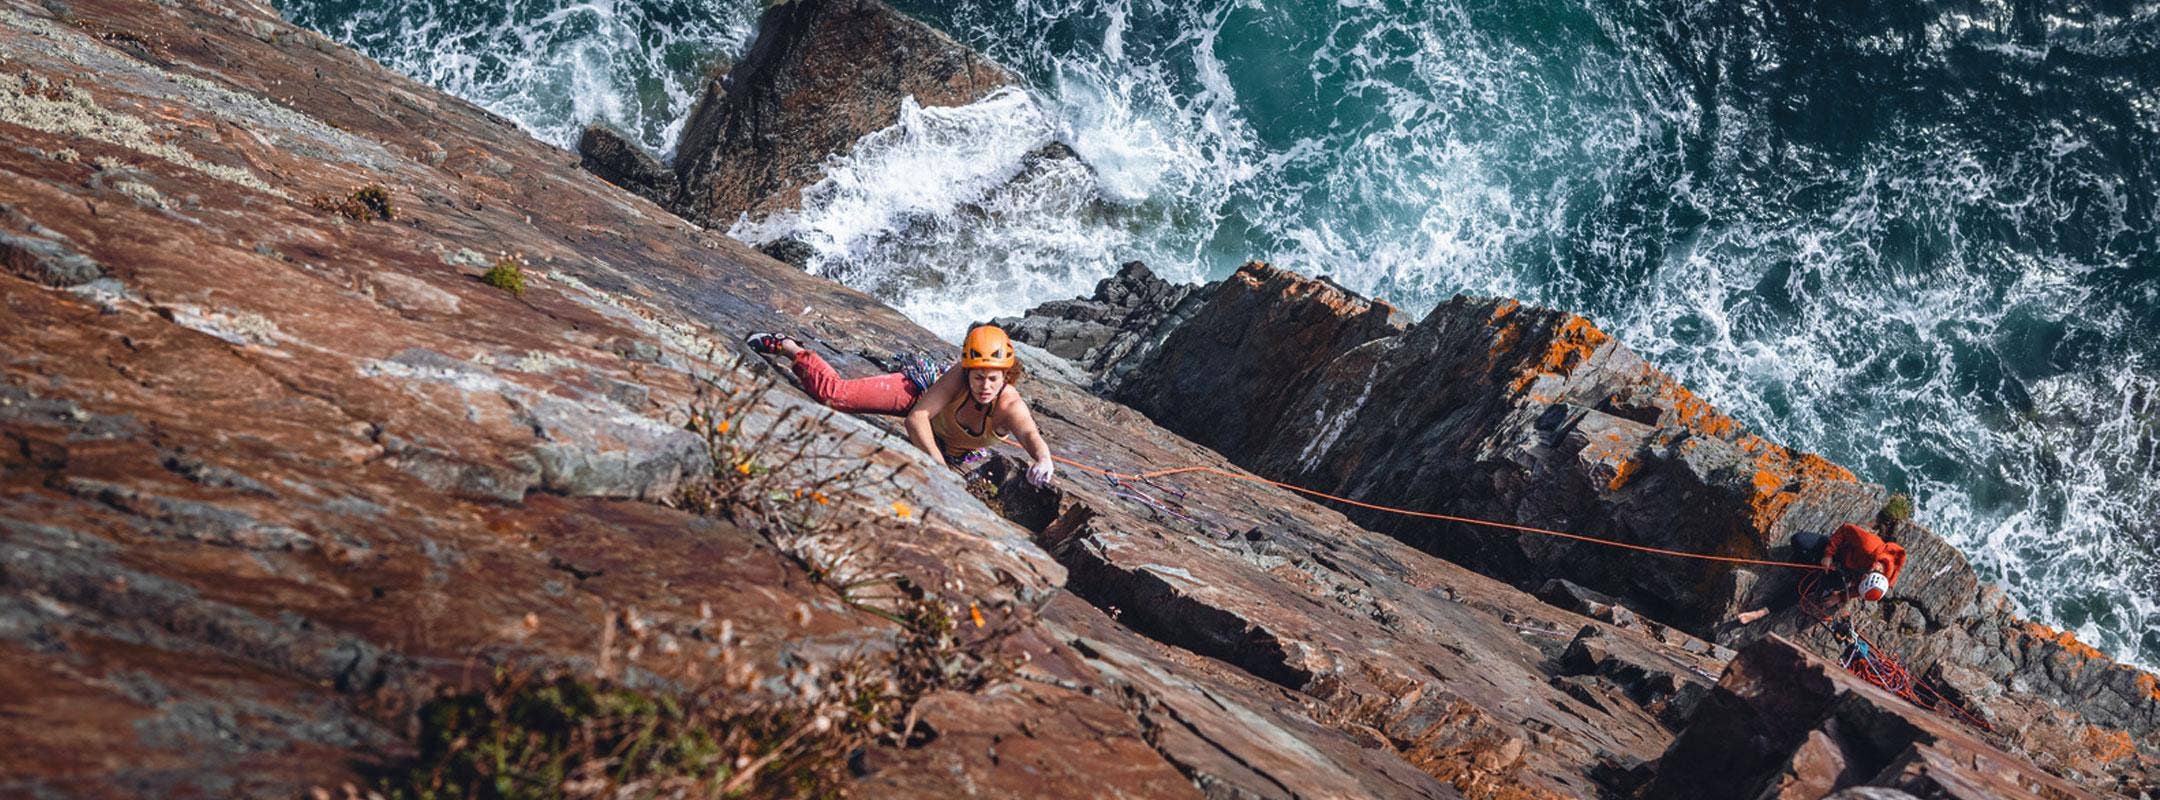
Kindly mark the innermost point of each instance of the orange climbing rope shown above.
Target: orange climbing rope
(1869, 662)
(1162, 473)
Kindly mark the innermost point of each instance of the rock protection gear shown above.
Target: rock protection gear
(1874, 587)
(766, 343)
(920, 370)
(987, 347)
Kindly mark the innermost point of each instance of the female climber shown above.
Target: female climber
(956, 413)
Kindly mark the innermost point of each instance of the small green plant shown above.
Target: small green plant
(366, 203)
(1897, 510)
(508, 274)
(376, 200)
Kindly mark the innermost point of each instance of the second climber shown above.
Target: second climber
(1865, 565)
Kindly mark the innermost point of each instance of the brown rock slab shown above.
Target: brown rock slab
(1023, 740)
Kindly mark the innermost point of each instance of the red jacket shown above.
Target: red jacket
(1858, 549)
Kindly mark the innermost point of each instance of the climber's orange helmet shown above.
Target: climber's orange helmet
(987, 347)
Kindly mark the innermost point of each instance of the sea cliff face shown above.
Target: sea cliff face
(1492, 410)
(328, 394)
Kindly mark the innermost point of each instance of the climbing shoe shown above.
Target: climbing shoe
(767, 343)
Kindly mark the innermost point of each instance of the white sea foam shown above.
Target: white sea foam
(551, 65)
(947, 216)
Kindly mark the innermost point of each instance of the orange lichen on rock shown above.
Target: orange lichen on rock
(1322, 292)
(1504, 338)
(1504, 309)
(1573, 342)
(1622, 473)
(1692, 413)
(2103, 746)
(1814, 467)
(1781, 477)
(1765, 508)
(2066, 640)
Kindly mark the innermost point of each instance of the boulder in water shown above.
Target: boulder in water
(820, 75)
(791, 251)
(616, 159)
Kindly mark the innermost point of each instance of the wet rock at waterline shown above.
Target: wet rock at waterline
(605, 152)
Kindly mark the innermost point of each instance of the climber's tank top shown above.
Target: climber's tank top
(954, 438)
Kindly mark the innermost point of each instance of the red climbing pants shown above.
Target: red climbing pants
(890, 394)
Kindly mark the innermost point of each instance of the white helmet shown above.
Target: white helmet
(1874, 587)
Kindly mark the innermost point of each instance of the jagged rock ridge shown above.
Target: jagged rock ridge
(1494, 410)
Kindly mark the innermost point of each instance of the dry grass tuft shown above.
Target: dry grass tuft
(366, 203)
